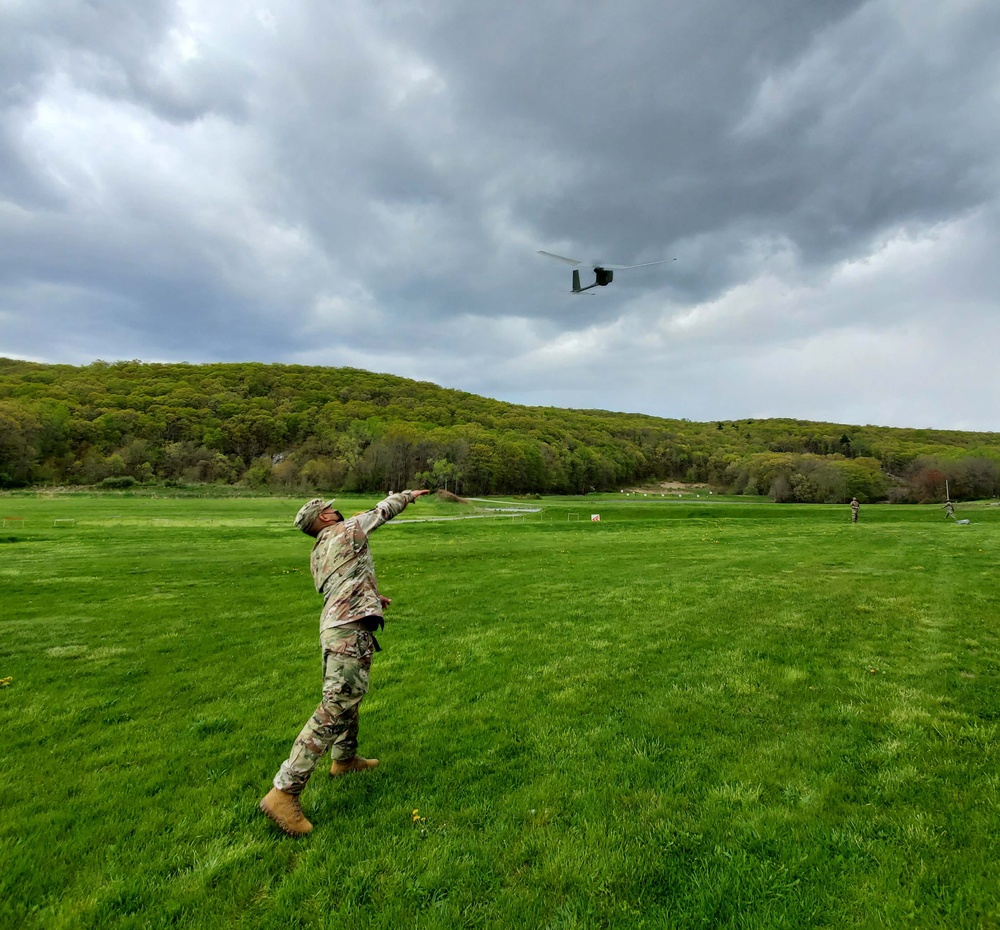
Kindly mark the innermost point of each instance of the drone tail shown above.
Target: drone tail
(576, 282)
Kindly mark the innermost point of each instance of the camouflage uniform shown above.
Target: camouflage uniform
(855, 507)
(344, 573)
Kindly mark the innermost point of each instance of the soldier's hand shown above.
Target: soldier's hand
(386, 601)
(420, 493)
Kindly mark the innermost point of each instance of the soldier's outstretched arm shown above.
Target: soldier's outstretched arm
(388, 508)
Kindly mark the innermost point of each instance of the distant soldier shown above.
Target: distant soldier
(855, 507)
(344, 573)
(949, 509)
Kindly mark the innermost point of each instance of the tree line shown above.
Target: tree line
(308, 428)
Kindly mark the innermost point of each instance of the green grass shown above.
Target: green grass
(692, 714)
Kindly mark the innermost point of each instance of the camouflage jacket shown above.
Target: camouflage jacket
(342, 566)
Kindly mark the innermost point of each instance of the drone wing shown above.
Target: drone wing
(562, 258)
(640, 265)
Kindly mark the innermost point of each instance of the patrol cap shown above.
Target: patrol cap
(310, 511)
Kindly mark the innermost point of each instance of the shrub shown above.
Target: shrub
(119, 482)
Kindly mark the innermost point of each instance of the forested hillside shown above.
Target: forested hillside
(301, 428)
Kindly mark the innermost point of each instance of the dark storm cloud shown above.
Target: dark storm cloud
(819, 123)
(369, 184)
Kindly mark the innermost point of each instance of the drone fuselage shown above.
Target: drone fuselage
(603, 277)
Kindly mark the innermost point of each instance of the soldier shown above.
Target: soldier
(949, 509)
(855, 507)
(344, 573)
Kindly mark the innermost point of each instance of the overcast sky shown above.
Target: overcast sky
(330, 182)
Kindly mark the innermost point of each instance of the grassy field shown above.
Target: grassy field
(695, 713)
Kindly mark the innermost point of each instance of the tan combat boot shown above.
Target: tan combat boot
(357, 764)
(286, 811)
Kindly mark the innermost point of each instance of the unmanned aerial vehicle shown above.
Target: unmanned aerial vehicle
(603, 273)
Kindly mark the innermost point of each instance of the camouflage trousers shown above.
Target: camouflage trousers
(347, 659)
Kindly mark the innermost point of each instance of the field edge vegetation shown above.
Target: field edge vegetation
(295, 429)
